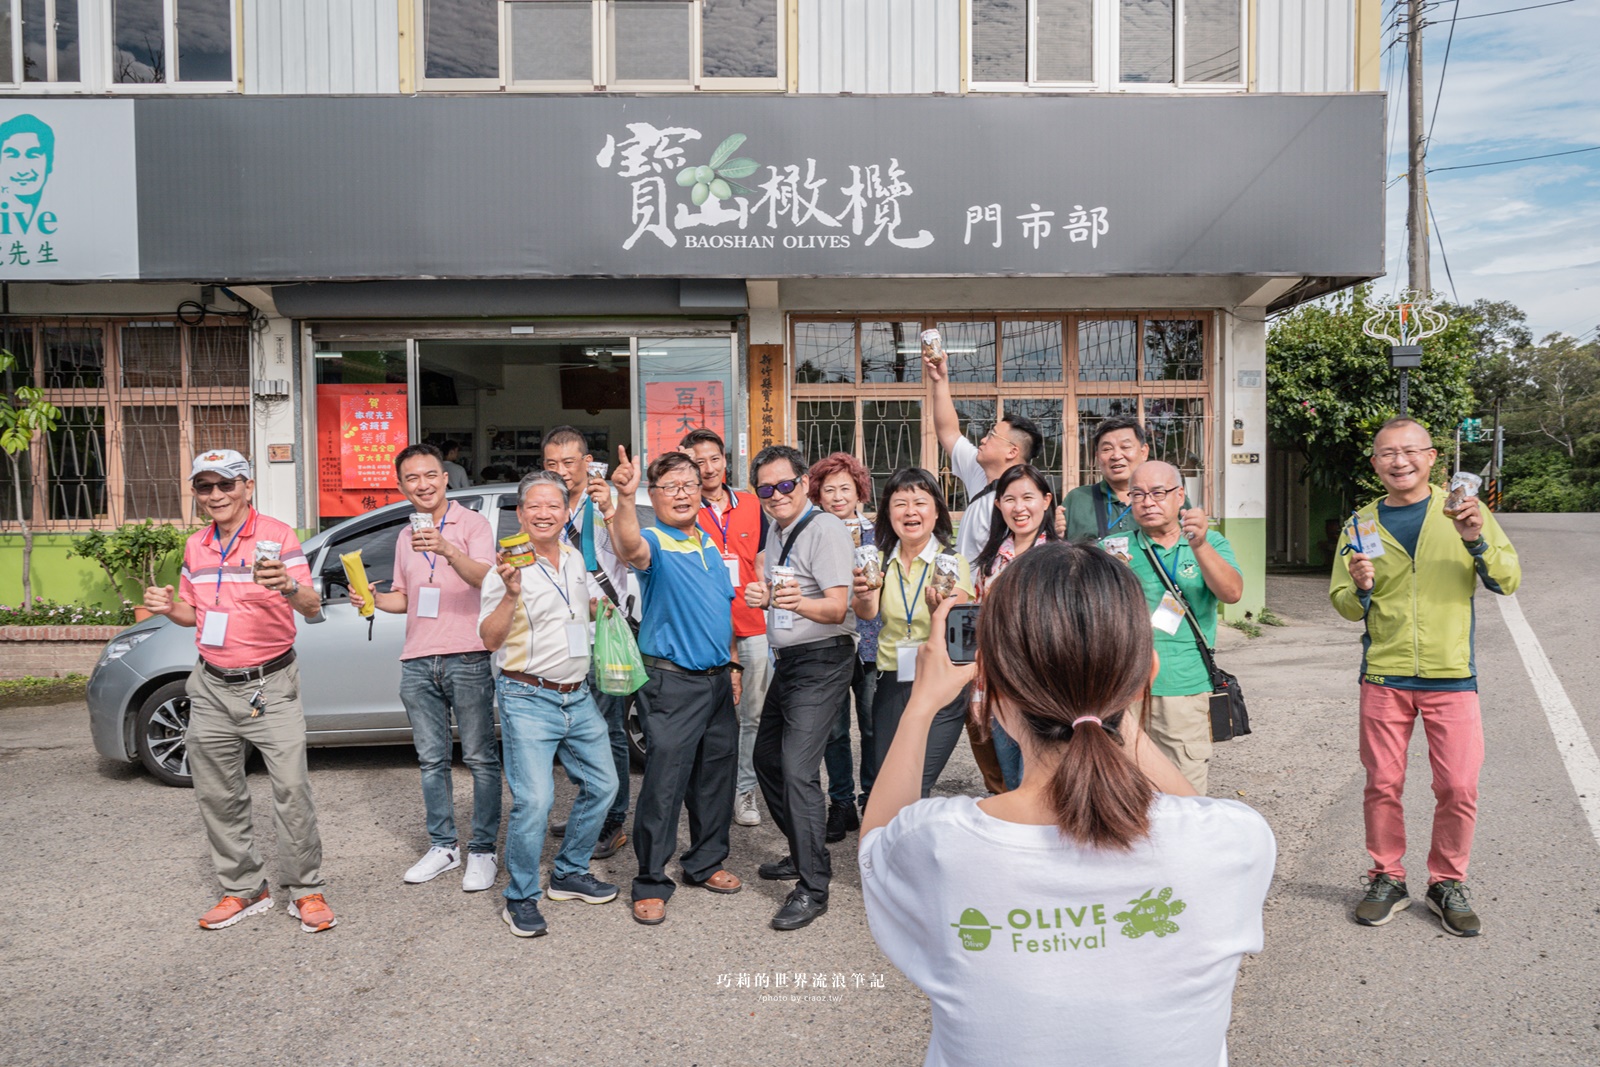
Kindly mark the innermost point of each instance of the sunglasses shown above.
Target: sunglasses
(785, 487)
(206, 488)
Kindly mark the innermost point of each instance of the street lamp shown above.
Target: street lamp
(1404, 320)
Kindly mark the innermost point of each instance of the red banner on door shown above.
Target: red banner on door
(672, 409)
(360, 429)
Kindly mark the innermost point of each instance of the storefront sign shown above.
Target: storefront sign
(360, 429)
(675, 408)
(767, 403)
(733, 185)
(69, 205)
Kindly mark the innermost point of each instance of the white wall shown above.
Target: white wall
(272, 421)
(321, 46)
(1305, 46)
(880, 46)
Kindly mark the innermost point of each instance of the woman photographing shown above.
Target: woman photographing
(918, 570)
(1024, 516)
(1092, 915)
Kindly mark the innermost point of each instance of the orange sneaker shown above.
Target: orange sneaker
(230, 910)
(313, 913)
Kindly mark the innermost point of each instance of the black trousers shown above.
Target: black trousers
(949, 723)
(691, 734)
(801, 707)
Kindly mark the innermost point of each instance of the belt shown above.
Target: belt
(542, 683)
(668, 665)
(814, 646)
(250, 674)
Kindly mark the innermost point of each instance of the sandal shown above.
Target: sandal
(652, 911)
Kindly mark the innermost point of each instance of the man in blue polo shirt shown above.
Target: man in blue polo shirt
(687, 707)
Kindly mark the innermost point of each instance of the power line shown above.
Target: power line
(1439, 90)
(1519, 159)
(1438, 233)
(1511, 10)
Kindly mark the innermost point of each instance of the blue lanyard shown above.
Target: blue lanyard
(216, 534)
(1173, 573)
(723, 524)
(547, 577)
(432, 559)
(1111, 502)
(915, 597)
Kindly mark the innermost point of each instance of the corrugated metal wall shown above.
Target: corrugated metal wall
(321, 46)
(880, 46)
(1305, 46)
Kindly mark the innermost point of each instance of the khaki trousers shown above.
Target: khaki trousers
(220, 726)
(1181, 728)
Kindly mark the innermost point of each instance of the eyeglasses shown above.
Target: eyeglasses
(1389, 455)
(677, 488)
(785, 487)
(1158, 495)
(206, 488)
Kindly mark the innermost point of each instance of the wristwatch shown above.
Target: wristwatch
(735, 665)
(294, 587)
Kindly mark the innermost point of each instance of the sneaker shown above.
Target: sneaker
(313, 913)
(842, 818)
(612, 837)
(1448, 900)
(230, 909)
(582, 886)
(1384, 898)
(433, 863)
(745, 812)
(524, 919)
(481, 867)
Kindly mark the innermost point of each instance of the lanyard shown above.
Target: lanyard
(430, 557)
(1111, 503)
(722, 524)
(216, 534)
(544, 570)
(573, 536)
(915, 597)
(799, 524)
(1173, 573)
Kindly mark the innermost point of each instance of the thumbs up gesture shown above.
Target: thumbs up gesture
(158, 599)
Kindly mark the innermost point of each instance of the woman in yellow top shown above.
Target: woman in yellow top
(919, 570)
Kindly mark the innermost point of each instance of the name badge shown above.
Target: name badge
(577, 639)
(428, 602)
(1368, 541)
(216, 629)
(1118, 548)
(906, 663)
(782, 620)
(732, 563)
(1168, 615)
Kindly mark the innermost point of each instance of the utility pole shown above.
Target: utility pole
(1416, 156)
(1495, 456)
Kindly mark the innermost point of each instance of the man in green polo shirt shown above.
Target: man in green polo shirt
(1120, 446)
(1200, 563)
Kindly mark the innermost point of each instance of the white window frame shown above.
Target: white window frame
(50, 85)
(1106, 60)
(603, 57)
(169, 29)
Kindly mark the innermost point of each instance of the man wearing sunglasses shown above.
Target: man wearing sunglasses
(812, 633)
(686, 708)
(1198, 562)
(244, 576)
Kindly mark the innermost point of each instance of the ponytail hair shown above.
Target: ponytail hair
(1064, 642)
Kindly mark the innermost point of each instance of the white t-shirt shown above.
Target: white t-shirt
(1036, 950)
(974, 529)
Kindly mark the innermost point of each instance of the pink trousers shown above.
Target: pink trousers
(1454, 729)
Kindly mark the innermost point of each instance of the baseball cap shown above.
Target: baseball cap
(223, 461)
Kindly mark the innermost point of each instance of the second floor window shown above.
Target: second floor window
(602, 44)
(1107, 44)
(48, 34)
(167, 42)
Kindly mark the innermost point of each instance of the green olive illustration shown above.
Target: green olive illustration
(699, 193)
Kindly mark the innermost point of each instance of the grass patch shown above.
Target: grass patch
(1267, 618)
(29, 692)
(1246, 627)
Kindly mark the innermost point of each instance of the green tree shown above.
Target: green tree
(1557, 391)
(1330, 387)
(24, 414)
(1499, 333)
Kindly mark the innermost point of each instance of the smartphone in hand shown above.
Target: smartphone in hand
(961, 633)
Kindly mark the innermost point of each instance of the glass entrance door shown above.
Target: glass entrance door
(684, 383)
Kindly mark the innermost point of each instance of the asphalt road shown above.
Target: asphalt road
(105, 872)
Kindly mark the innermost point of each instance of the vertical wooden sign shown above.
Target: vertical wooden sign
(769, 393)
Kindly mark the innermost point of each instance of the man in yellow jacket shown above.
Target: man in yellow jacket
(1410, 576)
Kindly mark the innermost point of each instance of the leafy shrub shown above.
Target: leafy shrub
(44, 612)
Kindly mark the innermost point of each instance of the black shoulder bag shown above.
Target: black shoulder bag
(1229, 717)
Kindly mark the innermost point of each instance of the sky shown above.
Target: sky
(1518, 84)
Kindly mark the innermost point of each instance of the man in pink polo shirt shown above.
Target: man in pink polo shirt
(439, 563)
(244, 576)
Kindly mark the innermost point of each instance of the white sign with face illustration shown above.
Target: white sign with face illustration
(69, 204)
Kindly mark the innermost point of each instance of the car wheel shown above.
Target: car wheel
(635, 731)
(161, 734)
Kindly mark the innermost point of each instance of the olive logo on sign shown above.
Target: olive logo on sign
(1149, 914)
(715, 180)
(975, 930)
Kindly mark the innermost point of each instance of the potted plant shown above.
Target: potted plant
(134, 552)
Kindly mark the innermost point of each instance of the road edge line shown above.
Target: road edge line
(1572, 740)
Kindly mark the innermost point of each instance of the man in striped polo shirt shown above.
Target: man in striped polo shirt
(244, 576)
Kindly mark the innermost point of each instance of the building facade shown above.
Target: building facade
(316, 231)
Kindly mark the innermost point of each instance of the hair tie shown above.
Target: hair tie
(1087, 718)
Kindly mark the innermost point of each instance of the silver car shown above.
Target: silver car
(350, 686)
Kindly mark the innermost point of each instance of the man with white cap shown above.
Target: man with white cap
(244, 576)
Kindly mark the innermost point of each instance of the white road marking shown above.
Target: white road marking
(1572, 740)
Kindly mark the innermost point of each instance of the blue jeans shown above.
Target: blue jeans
(431, 687)
(537, 725)
(1009, 754)
(836, 757)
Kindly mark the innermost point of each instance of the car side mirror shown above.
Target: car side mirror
(316, 585)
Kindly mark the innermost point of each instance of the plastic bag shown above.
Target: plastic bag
(618, 670)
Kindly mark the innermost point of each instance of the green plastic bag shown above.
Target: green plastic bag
(618, 670)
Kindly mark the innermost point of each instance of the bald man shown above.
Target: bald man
(1185, 568)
